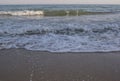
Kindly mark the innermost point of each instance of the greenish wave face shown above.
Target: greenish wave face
(70, 13)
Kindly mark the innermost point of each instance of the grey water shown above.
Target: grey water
(89, 7)
(85, 33)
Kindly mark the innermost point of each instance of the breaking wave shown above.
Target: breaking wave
(49, 13)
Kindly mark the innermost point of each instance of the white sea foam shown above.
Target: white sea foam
(61, 43)
(22, 13)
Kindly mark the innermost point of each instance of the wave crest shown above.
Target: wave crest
(22, 13)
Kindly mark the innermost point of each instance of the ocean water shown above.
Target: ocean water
(27, 26)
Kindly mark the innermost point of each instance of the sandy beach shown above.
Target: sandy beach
(23, 65)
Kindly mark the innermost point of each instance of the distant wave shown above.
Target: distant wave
(49, 13)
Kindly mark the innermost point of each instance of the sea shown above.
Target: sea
(60, 28)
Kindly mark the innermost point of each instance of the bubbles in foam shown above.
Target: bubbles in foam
(22, 13)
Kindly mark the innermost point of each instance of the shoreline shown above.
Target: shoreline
(26, 65)
(94, 52)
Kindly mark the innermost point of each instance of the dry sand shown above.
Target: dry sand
(23, 65)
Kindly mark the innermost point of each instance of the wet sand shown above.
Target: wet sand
(23, 65)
